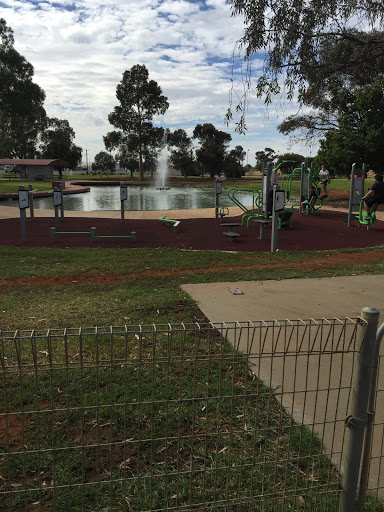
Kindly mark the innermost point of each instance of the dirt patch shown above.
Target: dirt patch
(348, 258)
(12, 429)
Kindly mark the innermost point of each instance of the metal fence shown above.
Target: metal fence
(234, 417)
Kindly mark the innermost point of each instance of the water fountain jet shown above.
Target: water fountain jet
(162, 168)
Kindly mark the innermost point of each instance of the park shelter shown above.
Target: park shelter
(35, 168)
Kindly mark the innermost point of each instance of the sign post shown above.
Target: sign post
(30, 197)
(278, 205)
(123, 197)
(219, 190)
(57, 200)
(23, 205)
(62, 200)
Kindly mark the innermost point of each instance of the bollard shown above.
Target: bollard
(133, 235)
(93, 234)
(53, 234)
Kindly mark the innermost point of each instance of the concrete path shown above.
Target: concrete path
(11, 212)
(312, 387)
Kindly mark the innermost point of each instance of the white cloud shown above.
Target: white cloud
(80, 48)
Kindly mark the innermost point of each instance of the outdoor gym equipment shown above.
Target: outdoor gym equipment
(254, 210)
(355, 201)
(221, 211)
(92, 233)
(308, 177)
(261, 200)
(230, 233)
(286, 180)
(174, 223)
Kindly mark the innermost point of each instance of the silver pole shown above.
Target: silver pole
(62, 201)
(31, 210)
(351, 193)
(275, 222)
(368, 433)
(23, 220)
(357, 420)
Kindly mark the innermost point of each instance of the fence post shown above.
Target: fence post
(368, 433)
(357, 420)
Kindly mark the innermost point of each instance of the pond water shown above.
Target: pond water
(139, 198)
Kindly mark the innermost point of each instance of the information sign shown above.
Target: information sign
(57, 198)
(23, 199)
(279, 200)
(123, 193)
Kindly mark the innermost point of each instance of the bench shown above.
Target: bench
(174, 223)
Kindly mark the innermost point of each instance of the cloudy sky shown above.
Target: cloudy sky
(80, 49)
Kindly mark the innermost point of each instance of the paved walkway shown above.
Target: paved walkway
(11, 212)
(313, 388)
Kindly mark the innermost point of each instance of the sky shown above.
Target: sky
(80, 49)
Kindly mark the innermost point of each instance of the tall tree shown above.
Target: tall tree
(181, 155)
(268, 155)
(233, 163)
(57, 141)
(213, 144)
(128, 160)
(359, 134)
(344, 66)
(22, 114)
(140, 99)
(104, 163)
(291, 37)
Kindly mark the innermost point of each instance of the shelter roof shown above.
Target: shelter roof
(33, 161)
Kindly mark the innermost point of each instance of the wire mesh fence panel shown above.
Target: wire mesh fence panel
(376, 463)
(234, 417)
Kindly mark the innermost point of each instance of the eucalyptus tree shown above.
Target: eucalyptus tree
(308, 44)
(140, 99)
(181, 153)
(22, 115)
(233, 163)
(104, 163)
(211, 151)
(360, 129)
(57, 141)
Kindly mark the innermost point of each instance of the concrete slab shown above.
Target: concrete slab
(289, 298)
(312, 385)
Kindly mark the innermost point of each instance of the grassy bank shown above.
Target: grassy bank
(147, 288)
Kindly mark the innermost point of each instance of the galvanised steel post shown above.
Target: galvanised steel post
(368, 432)
(31, 210)
(357, 420)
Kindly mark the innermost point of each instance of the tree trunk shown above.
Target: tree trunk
(141, 167)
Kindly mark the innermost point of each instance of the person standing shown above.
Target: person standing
(325, 178)
(374, 196)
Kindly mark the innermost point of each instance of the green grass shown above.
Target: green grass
(12, 187)
(246, 459)
(147, 289)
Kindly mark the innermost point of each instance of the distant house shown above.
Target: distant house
(35, 169)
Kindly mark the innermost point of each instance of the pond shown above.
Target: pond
(101, 198)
